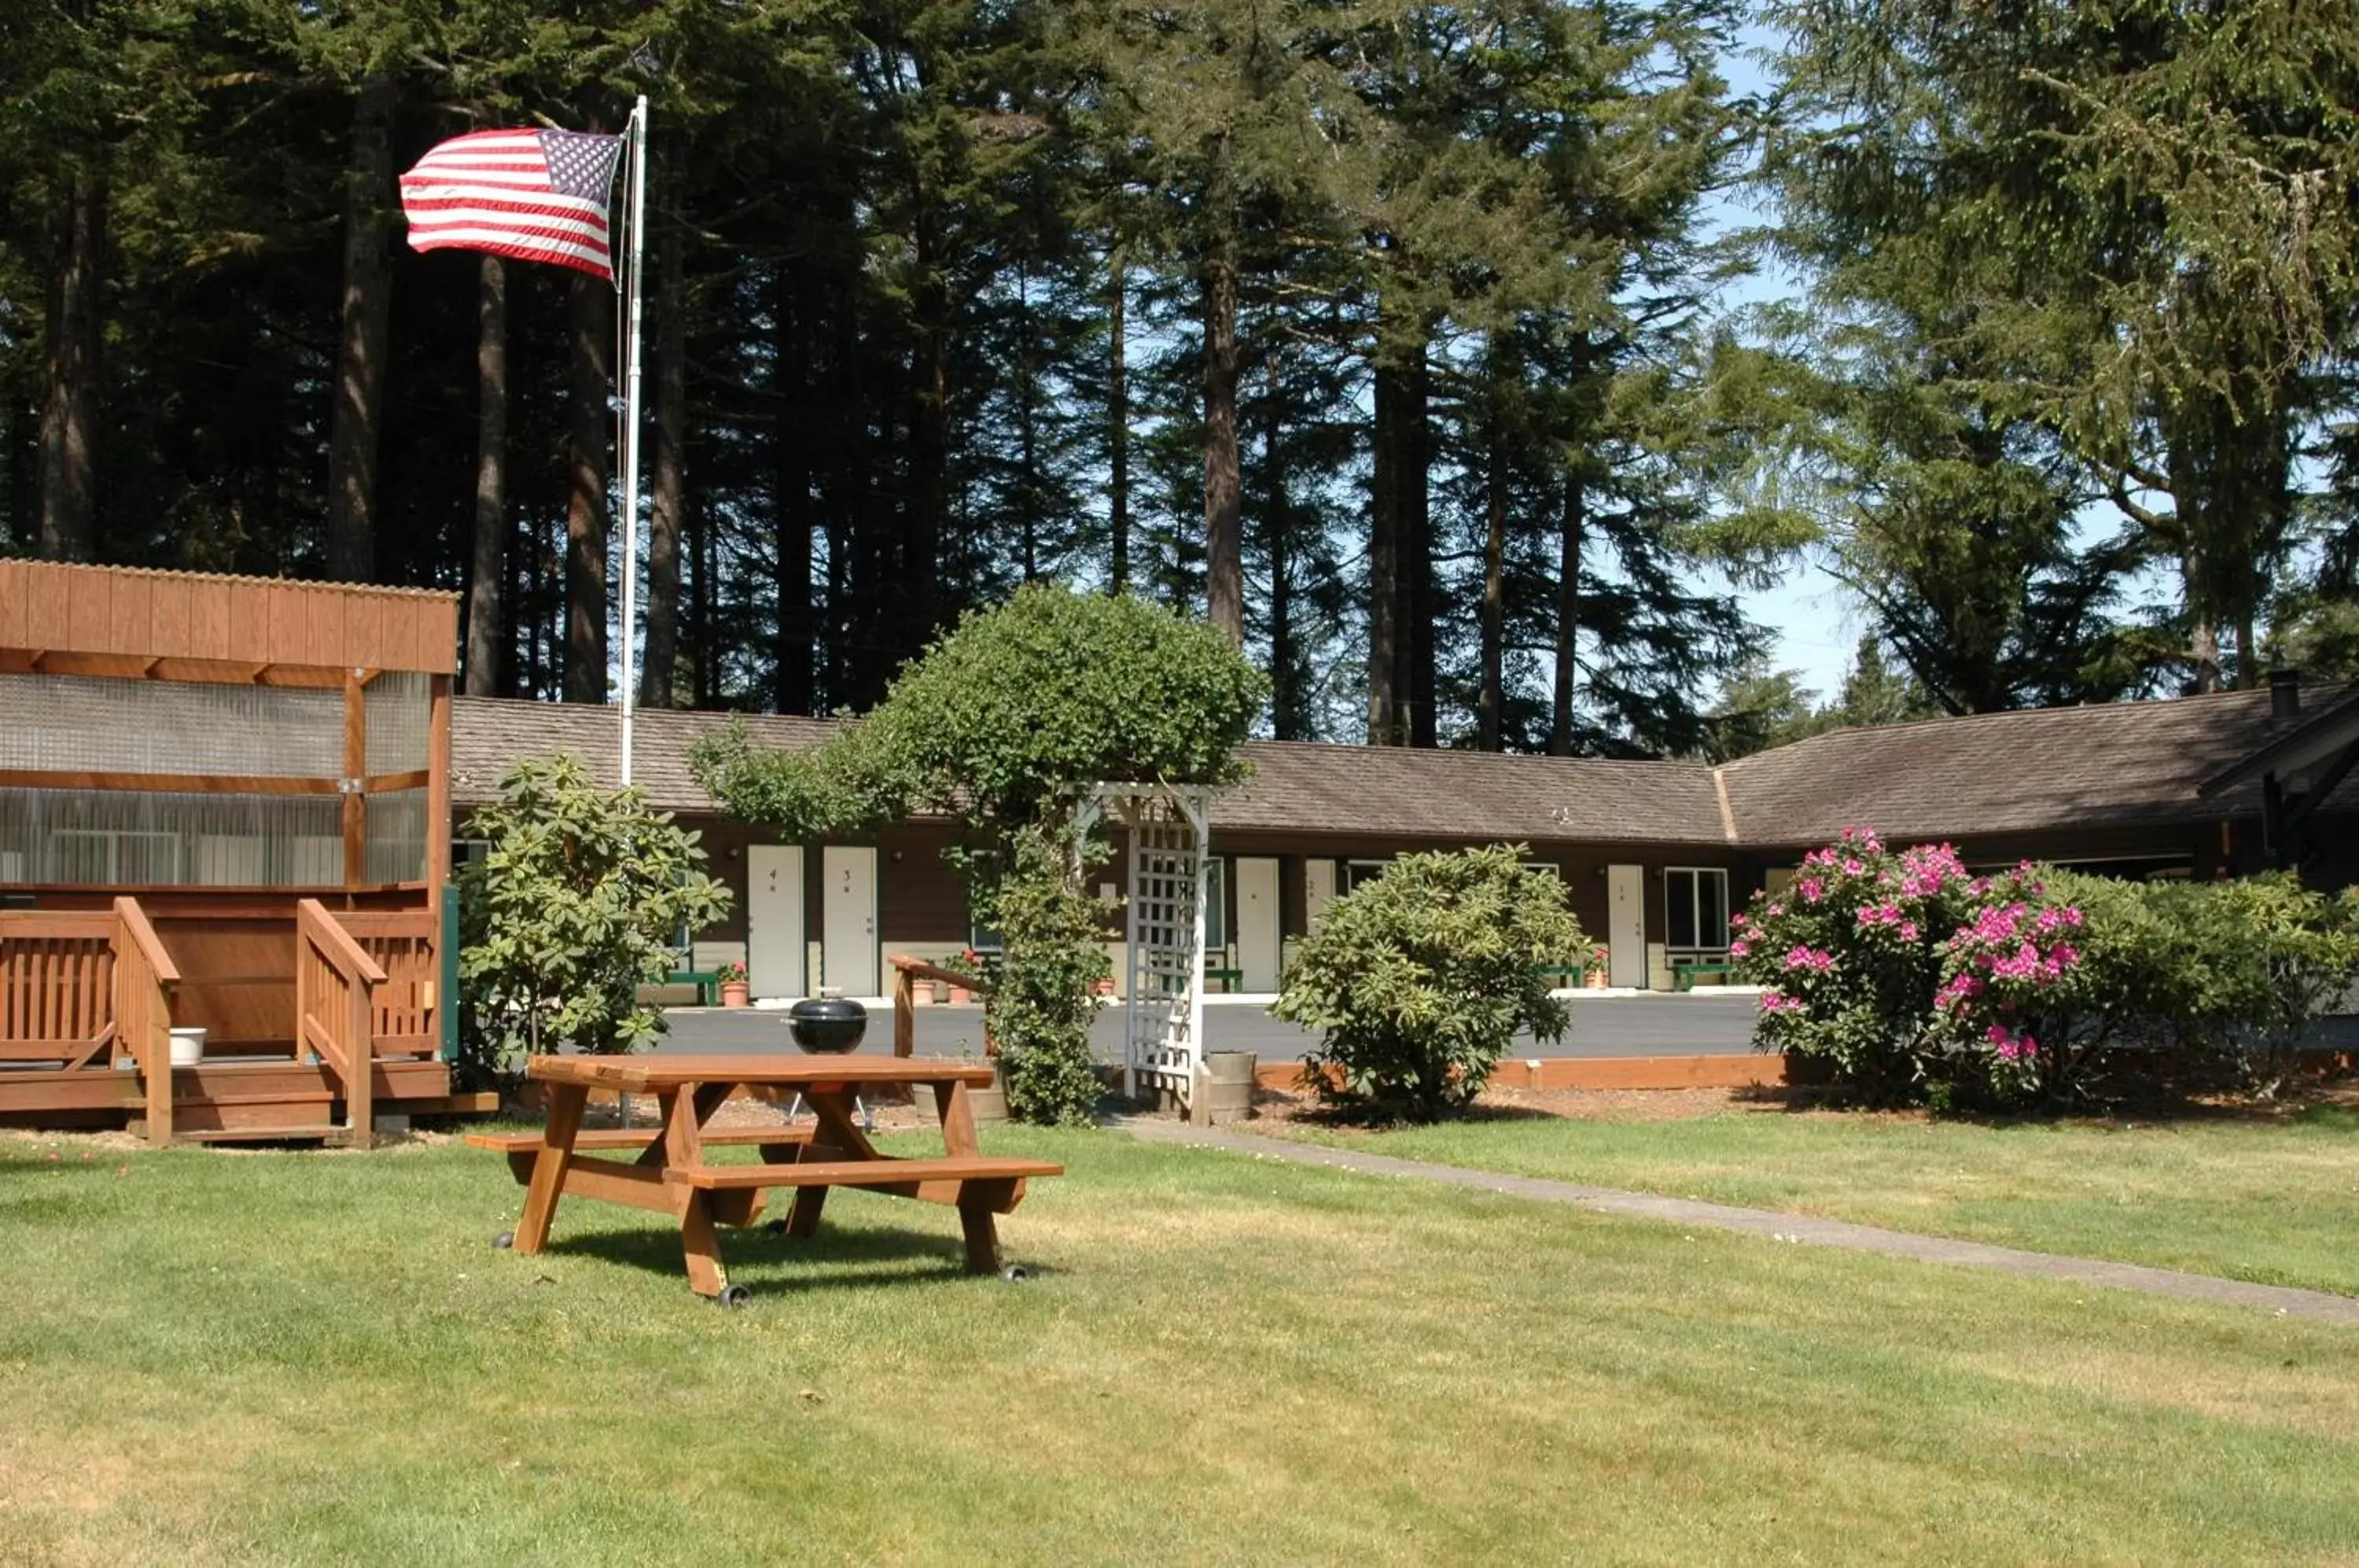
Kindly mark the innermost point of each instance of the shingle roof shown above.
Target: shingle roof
(1382, 791)
(490, 734)
(1394, 792)
(2129, 763)
(2121, 763)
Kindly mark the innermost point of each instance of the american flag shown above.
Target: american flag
(535, 195)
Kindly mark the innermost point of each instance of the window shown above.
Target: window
(1216, 905)
(1695, 909)
(1356, 872)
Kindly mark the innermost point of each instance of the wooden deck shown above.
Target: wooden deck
(88, 998)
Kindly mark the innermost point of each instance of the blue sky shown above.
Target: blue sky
(1816, 620)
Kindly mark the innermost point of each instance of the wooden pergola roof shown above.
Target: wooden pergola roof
(61, 619)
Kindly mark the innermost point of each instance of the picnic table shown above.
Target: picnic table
(672, 1175)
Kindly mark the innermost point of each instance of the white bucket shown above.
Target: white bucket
(188, 1047)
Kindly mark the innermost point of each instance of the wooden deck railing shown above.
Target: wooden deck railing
(57, 987)
(403, 1016)
(906, 972)
(335, 983)
(80, 986)
(145, 976)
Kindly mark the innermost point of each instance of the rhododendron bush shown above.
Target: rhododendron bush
(1912, 978)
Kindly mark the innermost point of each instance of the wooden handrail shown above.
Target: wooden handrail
(34, 924)
(919, 969)
(313, 921)
(144, 977)
(348, 1030)
(907, 972)
(151, 947)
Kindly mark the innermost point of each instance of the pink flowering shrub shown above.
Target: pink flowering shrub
(1905, 973)
(1911, 978)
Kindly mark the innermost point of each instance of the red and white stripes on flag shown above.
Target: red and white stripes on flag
(535, 195)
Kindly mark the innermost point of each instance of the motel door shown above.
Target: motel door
(1318, 889)
(848, 956)
(774, 920)
(1626, 925)
(1257, 925)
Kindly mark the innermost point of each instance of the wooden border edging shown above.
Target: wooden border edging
(1729, 1070)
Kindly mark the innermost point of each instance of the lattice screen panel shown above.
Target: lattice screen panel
(1164, 1024)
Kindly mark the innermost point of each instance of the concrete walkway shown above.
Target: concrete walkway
(2284, 1301)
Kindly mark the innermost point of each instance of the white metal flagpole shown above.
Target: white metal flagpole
(635, 218)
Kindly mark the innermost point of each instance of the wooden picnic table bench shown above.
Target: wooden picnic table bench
(672, 1174)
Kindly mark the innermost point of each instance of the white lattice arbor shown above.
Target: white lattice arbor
(1163, 1000)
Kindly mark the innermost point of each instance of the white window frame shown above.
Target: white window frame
(114, 840)
(1216, 905)
(1672, 943)
(1351, 877)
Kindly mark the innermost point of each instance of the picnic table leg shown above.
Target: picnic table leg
(565, 1104)
(977, 1200)
(802, 1220)
(700, 1244)
(683, 1144)
(982, 1228)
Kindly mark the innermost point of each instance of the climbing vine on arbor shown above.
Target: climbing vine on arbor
(1005, 726)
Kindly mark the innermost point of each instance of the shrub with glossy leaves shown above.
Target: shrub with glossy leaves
(1418, 981)
(573, 908)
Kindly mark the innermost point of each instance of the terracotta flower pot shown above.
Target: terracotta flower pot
(734, 993)
(961, 994)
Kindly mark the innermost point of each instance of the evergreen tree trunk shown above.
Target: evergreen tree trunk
(1118, 430)
(1028, 373)
(1384, 563)
(24, 491)
(930, 398)
(1224, 588)
(1495, 590)
(1568, 608)
(589, 318)
(69, 427)
(359, 410)
(1412, 482)
(488, 581)
(668, 515)
(790, 471)
(704, 634)
(1286, 720)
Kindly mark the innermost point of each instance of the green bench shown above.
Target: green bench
(706, 981)
(1683, 976)
(1232, 980)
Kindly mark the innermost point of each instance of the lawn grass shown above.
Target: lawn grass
(2273, 1201)
(294, 1357)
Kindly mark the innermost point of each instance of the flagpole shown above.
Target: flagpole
(635, 218)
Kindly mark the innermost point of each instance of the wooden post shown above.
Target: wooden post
(437, 794)
(905, 1021)
(359, 1050)
(355, 771)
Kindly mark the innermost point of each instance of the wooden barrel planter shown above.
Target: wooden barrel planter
(1224, 1088)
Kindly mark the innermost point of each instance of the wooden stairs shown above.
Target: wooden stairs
(87, 1000)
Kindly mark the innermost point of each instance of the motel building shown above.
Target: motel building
(236, 804)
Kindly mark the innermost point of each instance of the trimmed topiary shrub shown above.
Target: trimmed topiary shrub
(1418, 981)
(1005, 723)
